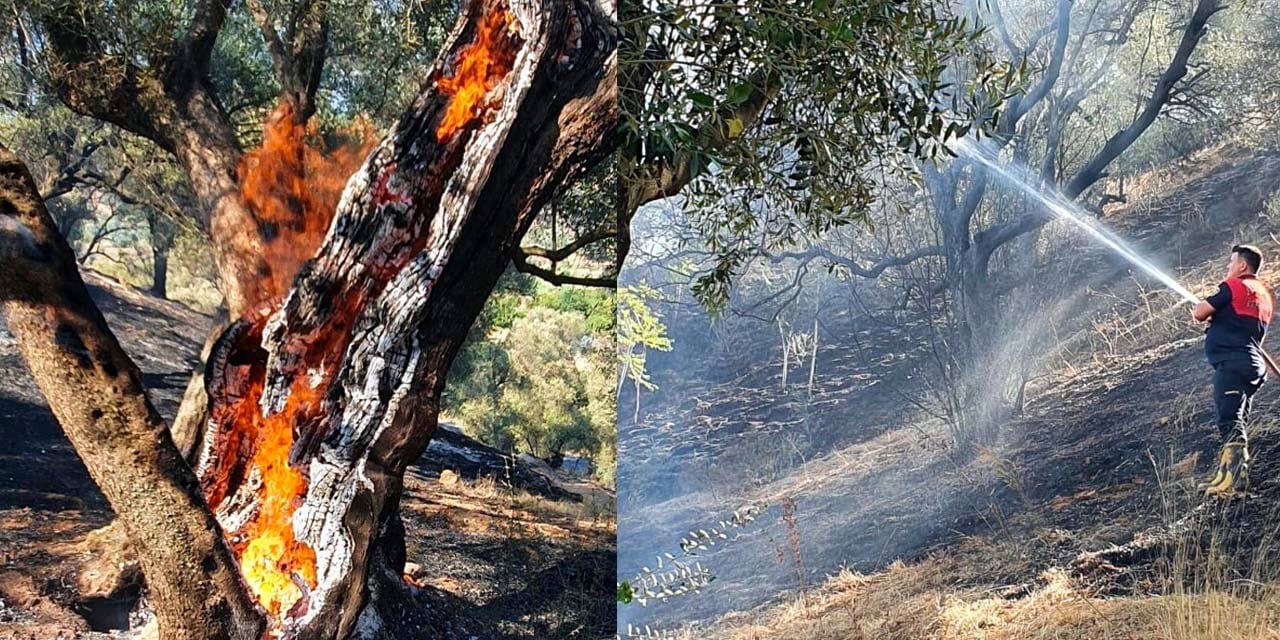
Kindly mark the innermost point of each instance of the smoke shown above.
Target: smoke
(866, 460)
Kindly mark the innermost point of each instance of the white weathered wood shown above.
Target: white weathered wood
(419, 238)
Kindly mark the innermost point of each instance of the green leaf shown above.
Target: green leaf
(735, 127)
(702, 100)
(738, 93)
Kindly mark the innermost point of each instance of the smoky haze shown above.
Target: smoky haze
(931, 333)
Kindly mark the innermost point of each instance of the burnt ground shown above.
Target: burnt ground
(529, 552)
(1115, 432)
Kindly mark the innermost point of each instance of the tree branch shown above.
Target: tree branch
(197, 46)
(298, 57)
(1093, 170)
(521, 262)
(562, 253)
(93, 83)
(1003, 29)
(281, 60)
(649, 182)
(69, 174)
(957, 220)
(1165, 84)
(1019, 106)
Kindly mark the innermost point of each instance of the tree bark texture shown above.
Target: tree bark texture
(96, 393)
(319, 404)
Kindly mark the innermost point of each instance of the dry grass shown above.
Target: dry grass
(1202, 598)
(597, 510)
(488, 506)
(908, 603)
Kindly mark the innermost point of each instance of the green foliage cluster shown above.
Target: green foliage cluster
(640, 329)
(536, 374)
(787, 115)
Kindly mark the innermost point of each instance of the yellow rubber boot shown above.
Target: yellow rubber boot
(1232, 475)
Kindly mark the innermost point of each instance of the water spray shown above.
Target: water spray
(1065, 209)
(1062, 207)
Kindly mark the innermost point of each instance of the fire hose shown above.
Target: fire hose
(1271, 364)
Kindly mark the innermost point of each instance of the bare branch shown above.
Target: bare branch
(562, 253)
(522, 264)
(998, 18)
(1019, 106)
(1165, 84)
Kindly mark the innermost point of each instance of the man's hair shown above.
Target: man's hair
(1251, 255)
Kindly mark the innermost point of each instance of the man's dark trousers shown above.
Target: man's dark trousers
(1234, 383)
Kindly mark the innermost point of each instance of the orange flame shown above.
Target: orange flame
(292, 189)
(272, 560)
(480, 66)
(292, 186)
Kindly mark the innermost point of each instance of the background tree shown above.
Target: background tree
(534, 375)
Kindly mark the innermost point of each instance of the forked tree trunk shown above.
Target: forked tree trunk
(319, 404)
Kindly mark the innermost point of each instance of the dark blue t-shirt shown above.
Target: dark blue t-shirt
(1241, 312)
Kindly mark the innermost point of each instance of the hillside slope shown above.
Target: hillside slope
(1115, 431)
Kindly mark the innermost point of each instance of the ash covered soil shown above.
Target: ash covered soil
(1095, 478)
(526, 551)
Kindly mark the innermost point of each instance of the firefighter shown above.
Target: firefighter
(1238, 315)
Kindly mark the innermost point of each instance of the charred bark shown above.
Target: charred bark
(333, 393)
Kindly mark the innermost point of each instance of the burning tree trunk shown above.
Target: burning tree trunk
(319, 402)
(326, 388)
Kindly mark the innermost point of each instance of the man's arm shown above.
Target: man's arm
(1205, 308)
(1202, 311)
